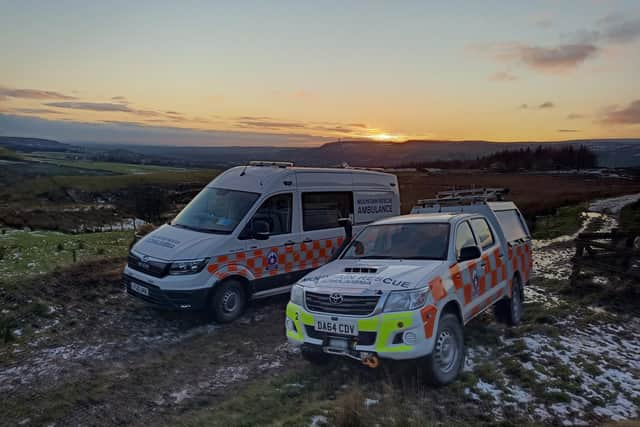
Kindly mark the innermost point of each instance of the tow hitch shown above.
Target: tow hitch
(370, 360)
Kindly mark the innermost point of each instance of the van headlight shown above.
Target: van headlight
(297, 295)
(406, 300)
(187, 266)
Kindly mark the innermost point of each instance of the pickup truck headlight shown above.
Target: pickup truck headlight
(188, 266)
(297, 295)
(406, 301)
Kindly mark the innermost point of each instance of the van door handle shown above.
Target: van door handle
(289, 243)
(307, 240)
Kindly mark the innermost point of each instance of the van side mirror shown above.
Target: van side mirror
(260, 229)
(469, 252)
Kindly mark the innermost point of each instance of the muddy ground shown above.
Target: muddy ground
(81, 352)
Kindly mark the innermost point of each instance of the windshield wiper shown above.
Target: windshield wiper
(202, 230)
(423, 257)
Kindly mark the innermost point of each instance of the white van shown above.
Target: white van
(253, 232)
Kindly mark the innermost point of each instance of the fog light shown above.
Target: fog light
(290, 325)
(409, 338)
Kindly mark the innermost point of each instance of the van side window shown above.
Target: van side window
(277, 212)
(482, 232)
(464, 237)
(323, 210)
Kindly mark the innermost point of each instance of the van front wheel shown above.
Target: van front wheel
(228, 301)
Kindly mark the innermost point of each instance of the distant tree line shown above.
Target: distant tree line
(538, 159)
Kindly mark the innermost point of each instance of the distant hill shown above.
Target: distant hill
(610, 152)
(34, 144)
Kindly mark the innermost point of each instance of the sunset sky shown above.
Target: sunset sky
(303, 73)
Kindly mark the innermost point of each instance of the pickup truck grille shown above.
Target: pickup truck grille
(355, 305)
(369, 270)
(150, 267)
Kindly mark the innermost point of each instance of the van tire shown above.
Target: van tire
(509, 310)
(441, 367)
(228, 301)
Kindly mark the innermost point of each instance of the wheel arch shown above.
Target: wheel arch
(453, 306)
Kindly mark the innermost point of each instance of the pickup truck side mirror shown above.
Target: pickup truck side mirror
(469, 252)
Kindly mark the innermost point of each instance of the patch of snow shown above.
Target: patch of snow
(179, 396)
(318, 421)
(370, 402)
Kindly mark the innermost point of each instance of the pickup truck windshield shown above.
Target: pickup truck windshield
(215, 210)
(401, 241)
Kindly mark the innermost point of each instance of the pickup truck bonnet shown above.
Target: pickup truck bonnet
(375, 275)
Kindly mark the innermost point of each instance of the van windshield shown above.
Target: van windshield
(401, 241)
(215, 210)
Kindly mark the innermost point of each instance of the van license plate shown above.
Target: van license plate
(140, 289)
(339, 327)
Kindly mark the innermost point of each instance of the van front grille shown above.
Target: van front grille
(355, 305)
(151, 267)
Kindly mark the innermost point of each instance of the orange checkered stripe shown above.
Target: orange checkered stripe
(460, 280)
(521, 258)
(254, 264)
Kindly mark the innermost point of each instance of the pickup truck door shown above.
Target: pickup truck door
(491, 283)
(467, 274)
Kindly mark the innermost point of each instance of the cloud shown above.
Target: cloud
(103, 107)
(120, 99)
(575, 116)
(35, 111)
(91, 106)
(131, 132)
(546, 105)
(6, 92)
(523, 106)
(620, 30)
(502, 76)
(629, 115)
(568, 130)
(269, 124)
(562, 57)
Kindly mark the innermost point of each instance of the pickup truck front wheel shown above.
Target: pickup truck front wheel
(447, 359)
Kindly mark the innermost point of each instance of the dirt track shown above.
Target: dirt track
(90, 355)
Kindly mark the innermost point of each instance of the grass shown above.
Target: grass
(52, 185)
(535, 195)
(566, 221)
(118, 168)
(630, 218)
(288, 399)
(6, 154)
(34, 252)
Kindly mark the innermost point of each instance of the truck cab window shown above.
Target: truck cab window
(277, 212)
(482, 232)
(323, 210)
(464, 237)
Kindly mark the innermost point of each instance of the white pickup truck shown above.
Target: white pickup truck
(405, 286)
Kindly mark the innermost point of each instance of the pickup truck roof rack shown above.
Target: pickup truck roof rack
(270, 163)
(465, 196)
